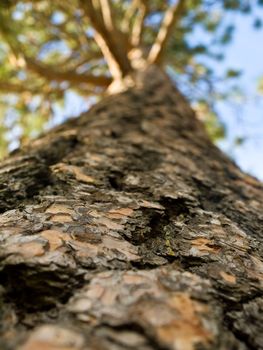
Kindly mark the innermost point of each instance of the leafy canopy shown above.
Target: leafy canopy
(50, 48)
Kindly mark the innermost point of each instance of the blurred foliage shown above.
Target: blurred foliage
(47, 48)
(260, 85)
(212, 123)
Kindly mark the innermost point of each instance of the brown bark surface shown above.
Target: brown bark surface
(127, 229)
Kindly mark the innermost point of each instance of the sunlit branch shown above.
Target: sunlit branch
(110, 42)
(107, 14)
(138, 25)
(129, 13)
(171, 17)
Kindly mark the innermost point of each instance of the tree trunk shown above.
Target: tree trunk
(128, 229)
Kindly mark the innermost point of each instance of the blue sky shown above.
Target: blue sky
(246, 120)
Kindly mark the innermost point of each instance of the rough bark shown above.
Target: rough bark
(127, 229)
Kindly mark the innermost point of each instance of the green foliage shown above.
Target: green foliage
(47, 48)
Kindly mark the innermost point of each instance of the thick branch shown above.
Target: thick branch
(171, 17)
(21, 87)
(7, 87)
(72, 77)
(111, 42)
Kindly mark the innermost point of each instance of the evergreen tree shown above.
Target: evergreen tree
(125, 228)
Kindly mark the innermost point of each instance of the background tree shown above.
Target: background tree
(125, 228)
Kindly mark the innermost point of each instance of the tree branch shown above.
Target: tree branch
(21, 87)
(138, 25)
(111, 43)
(107, 14)
(171, 17)
(129, 13)
(50, 73)
(15, 88)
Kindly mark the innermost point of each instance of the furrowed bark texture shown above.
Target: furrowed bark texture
(127, 229)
